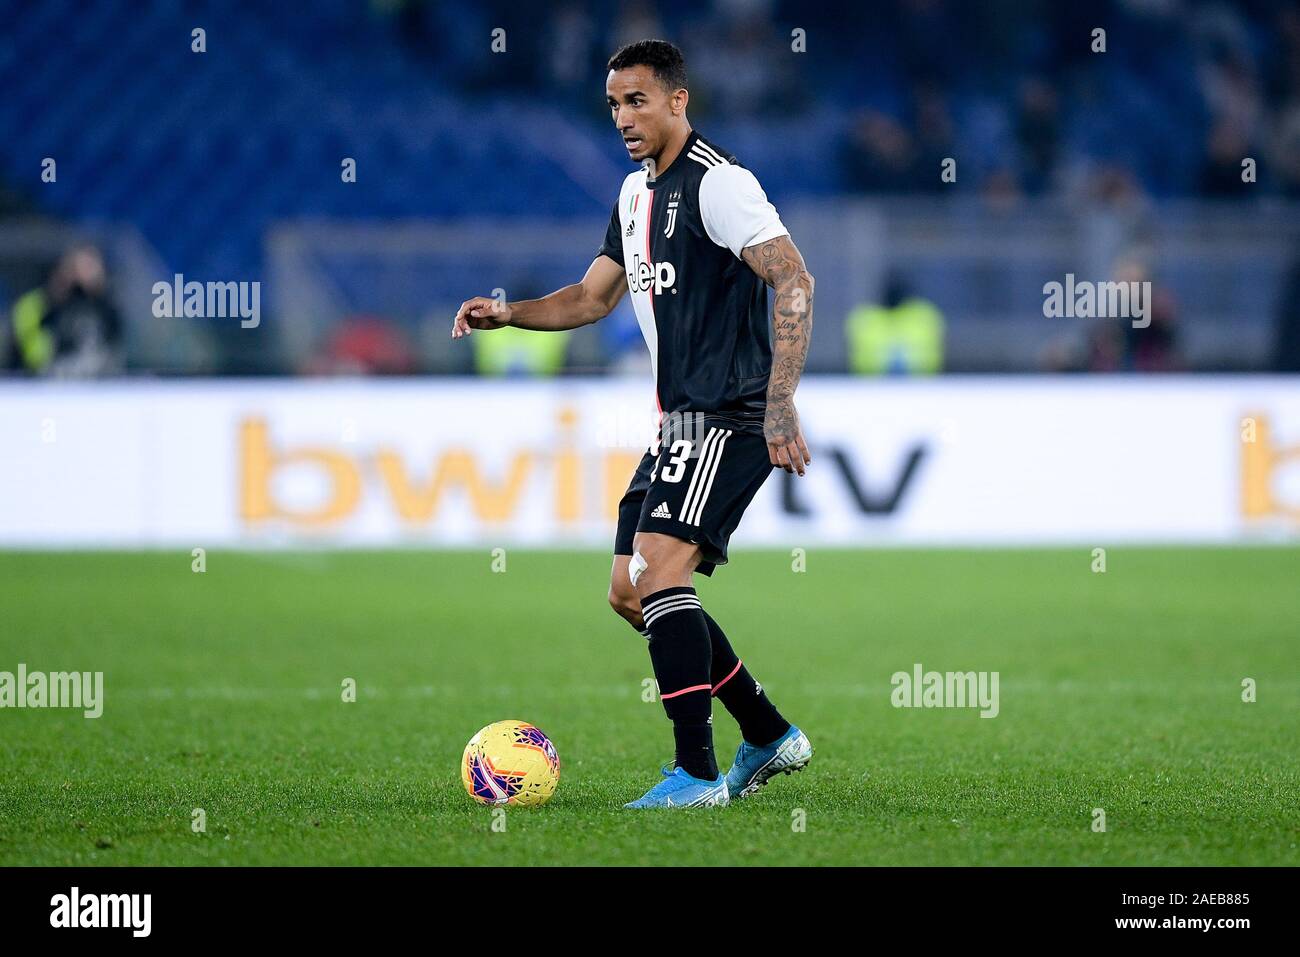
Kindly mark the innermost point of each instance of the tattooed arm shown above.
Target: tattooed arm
(779, 264)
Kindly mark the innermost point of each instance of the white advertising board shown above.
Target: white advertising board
(443, 462)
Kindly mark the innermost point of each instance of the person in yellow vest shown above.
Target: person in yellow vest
(902, 337)
(511, 351)
(68, 326)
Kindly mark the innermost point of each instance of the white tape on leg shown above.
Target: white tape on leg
(635, 567)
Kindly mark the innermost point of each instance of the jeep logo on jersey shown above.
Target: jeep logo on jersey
(644, 274)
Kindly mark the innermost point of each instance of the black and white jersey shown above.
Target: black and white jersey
(702, 310)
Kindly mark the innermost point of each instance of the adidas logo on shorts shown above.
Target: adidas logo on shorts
(663, 511)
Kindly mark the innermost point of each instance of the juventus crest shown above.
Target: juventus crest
(670, 223)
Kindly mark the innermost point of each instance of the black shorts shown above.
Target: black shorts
(695, 488)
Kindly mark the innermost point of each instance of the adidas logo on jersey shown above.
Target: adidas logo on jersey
(631, 229)
(663, 511)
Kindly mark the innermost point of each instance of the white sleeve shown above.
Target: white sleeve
(735, 209)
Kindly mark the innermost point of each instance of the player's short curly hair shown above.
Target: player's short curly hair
(660, 55)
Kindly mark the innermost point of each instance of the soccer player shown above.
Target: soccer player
(695, 240)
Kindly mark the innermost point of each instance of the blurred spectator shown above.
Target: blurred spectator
(1000, 190)
(68, 327)
(902, 337)
(364, 345)
(13, 203)
(1286, 351)
(934, 137)
(742, 65)
(520, 352)
(1155, 348)
(1228, 82)
(1221, 176)
(1038, 133)
(570, 51)
(1282, 63)
(636, 21)
(929, 38)
(1286, 152)
(1114, 344)
(879, 155)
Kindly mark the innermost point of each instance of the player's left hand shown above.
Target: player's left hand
(785, 445)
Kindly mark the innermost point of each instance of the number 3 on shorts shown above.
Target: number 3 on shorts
(677, 456)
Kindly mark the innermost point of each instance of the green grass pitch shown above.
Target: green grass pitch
(1120, 691)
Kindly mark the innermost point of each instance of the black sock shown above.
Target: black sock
(760, 722)
(680, 652)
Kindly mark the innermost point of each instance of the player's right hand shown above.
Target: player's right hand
(481, 312)
(786, 447)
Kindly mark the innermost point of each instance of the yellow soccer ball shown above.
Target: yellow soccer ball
(510, 762)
